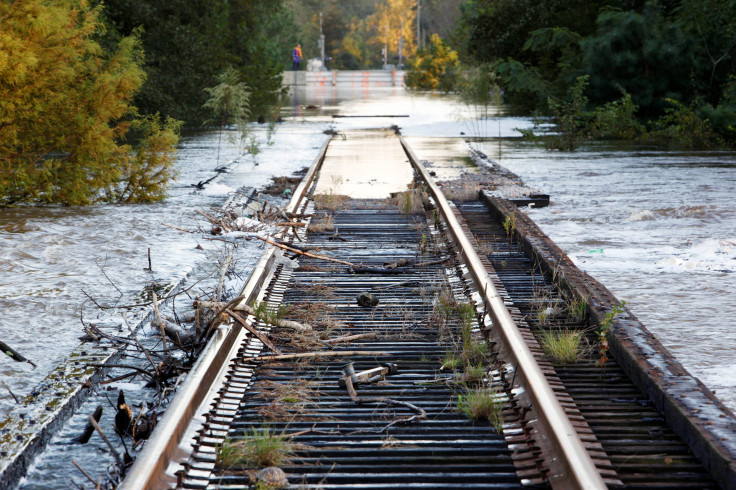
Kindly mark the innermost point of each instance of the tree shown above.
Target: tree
(434, 68)
(65, 106)
(394, 20)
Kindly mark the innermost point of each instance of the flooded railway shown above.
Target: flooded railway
(407, 329)
(386, 432)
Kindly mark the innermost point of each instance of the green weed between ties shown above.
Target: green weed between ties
(482, 404)
(563, 346)
(260, 448)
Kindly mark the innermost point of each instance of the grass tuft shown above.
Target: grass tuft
(260, 448)
(564, 346)
(482, 404)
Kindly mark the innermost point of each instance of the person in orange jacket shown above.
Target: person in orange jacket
(296, 56)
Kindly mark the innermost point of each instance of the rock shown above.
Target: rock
(271, 477)
(367, 300)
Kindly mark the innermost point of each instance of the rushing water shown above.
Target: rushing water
(51, 258)
(658, 228)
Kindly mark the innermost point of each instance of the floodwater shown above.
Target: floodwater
(52, 259)
(656, 227)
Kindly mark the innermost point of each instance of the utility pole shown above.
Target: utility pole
(401, 43)
(419, 29)
(321, 43)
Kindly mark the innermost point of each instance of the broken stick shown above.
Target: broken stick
(280, 322)
(306, 254)
(253, 330)
(319, 353)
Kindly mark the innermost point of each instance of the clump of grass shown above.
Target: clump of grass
(474, 374)
(267, 314)
(287, 399)
(411, 201)
(330, 201)
(451, 362)
(260, 448)
(482, 404)
(312, 312)
(485, 247)
(509, 225)
(564, 346)
(326, 222)
(577, 308)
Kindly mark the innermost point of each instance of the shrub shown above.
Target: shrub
(434, 68)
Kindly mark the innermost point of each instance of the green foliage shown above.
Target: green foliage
(229, 102)
(146, 175)
(685, 126)
(642, 54)
(434, 68)
(563, 346)
(259, 448)
(188, 43)
(65, 107)
(568, 116)
(604, 326)
(482, 404)
(616, 120)
(652, 51)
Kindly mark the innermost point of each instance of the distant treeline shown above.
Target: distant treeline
(187, 43)
(670, 61)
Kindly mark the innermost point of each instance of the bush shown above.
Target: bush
(570, 119)
(616, 120)
(434, 68)
(686, 126)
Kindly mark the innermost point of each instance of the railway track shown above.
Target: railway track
(410, 327)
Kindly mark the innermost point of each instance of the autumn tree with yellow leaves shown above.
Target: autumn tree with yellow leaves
(65, 110)
(393, 20)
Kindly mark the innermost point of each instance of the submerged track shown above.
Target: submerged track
(432, 342)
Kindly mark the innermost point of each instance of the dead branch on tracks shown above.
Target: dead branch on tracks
(277, 322)
(327, 353)
(307, 254)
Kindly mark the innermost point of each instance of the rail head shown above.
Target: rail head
(163, 448)
(575, 468)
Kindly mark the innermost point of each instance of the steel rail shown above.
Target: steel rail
(573, 468)
(208, 373)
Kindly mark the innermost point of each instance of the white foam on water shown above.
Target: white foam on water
(217, 190)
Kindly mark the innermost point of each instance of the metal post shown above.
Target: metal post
(401, 43)
(419, 29)
(321, 43)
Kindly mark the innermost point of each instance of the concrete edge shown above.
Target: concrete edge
(706, 425)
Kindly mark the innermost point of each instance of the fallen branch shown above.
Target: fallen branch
(253, 330)
(10, 391)
(107, 441)
(421, 414)
(84, 473)
(291, 249)
(177, 228)
(14, 354)
(350, 338)
(327, 353)
(89, 428)
(290, 224)
(301, 327)
(159, 320)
